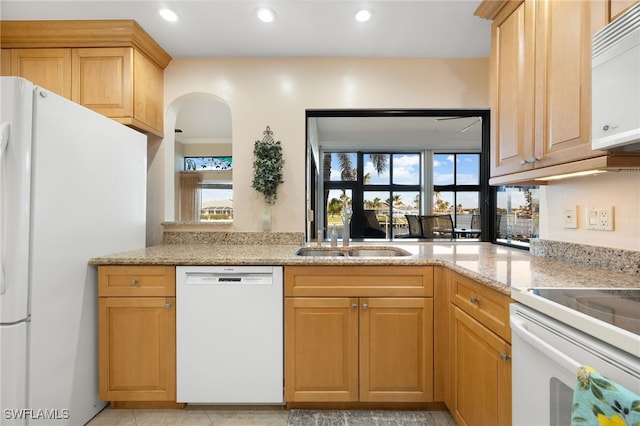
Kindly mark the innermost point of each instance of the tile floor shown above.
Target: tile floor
(212, 416)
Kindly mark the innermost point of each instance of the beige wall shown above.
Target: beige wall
(276, 92)
(621, 190)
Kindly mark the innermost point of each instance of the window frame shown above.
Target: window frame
(455, 187)
(359, 188)
(314, 184)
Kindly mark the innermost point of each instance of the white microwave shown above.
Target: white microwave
(615, 77)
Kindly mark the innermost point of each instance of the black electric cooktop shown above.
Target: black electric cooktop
(619, 307)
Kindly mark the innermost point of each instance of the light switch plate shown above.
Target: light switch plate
(592, 218)
(570, 217)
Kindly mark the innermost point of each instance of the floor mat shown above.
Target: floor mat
(369, 418)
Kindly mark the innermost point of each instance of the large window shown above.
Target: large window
(456, 188)
(376, 189)
(207, 189)
(377, 167)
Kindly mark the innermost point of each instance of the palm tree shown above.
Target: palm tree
(347, 172)
(379, 162)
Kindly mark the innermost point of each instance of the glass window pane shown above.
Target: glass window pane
(405, 203)
(444, 202)
(216, 202)
(466, 207)
(336, 201)
(340, 166)
(376, 200)
(208, 163)
(406, 169)
(378, 203)
(376, 169)
(517, 214)
(468, 169)
(443, 169)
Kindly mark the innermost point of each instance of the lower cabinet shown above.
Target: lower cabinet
(480, 354)
(482, 374)
(367, 349)
(137, 333)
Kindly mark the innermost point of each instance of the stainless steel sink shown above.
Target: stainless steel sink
(378, 252)
(352, 252)
(317, 251)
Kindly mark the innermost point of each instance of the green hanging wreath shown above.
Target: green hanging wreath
(267, 167)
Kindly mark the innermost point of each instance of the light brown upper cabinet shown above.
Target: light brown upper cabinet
(112, 67)
(541, 89)
(48, 68)
(512, 89)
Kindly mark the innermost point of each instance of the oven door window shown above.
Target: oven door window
(560, 403)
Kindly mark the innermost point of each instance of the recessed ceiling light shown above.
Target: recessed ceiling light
(168, 15)
(363, 15)
(266, 15)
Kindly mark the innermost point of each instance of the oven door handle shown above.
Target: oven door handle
(543, 347)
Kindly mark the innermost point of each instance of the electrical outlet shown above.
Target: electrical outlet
(605, 218)
(570, 217)
(600, 218)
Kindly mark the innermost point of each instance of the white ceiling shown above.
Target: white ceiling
(303, 28)
(386, 133)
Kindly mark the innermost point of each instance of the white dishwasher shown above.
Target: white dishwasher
(229, 334)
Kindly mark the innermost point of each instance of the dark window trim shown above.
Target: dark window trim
(487, 193)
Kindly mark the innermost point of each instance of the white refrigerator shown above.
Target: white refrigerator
(72, 187)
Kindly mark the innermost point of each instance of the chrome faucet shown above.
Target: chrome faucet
(345, 227)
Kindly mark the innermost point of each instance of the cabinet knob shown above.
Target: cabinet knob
(474, 300)
(531, 160)
(354, 307)
(505, 357)
(167, 306)
(365, 306)
(134, 281)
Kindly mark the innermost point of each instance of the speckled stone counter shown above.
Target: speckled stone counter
(496, 266)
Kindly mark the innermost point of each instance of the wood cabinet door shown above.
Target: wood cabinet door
(103, 80)
(512, 101)
(47, 68)
(137, 348)
(617, 7)
(396, 349)
(321, 349)
(481, 379)
(5, 62)
(563, 80)
(148, 95)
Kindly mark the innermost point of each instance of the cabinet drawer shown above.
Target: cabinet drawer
(487, 306)
(136, 281)
(357, 281)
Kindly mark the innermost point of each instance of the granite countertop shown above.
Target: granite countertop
(499, 267)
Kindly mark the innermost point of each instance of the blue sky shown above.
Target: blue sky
(407, 171)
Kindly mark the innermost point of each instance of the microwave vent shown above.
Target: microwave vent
(626, 25)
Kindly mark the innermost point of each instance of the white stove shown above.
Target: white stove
(610, 315)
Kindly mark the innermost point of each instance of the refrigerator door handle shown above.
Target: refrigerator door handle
(4, 137)
(4, 141)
